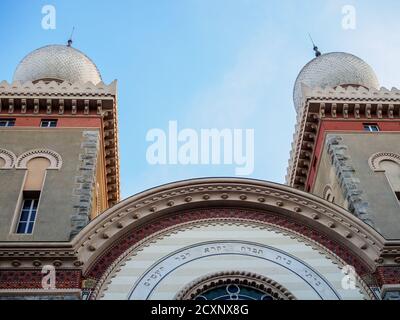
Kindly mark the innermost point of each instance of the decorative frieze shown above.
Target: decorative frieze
(74, 107)
(48, 106)
(32, 279)
(86, 106)
(23, 105)
(347, 178)
(10, 105)
(54, 158)
(61, 106)
(376, 159)
(35, 105)
(54, 88)
(9, 159)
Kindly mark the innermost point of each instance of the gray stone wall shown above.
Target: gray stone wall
(85, 181)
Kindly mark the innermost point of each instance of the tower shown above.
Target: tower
(346, 146)
(59, 149)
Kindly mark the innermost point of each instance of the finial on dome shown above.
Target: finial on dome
(315, 48)
(69, 42)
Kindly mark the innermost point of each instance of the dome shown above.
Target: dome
(57, 62)
(333, 69)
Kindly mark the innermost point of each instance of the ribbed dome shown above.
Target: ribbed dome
(57, 62)
(333, 69)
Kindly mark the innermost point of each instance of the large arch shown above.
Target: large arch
(109, 241)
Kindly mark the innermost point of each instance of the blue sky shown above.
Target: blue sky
(204, 63)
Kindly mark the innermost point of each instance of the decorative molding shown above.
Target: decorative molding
(12, 279)
(388, 275)
(348, 181)
(54, 158)
(350, 93)
(250, 279)
(375, 160)
(327, 190)
(9, 159)
(54, 88)
(304, 138)
(267, 196)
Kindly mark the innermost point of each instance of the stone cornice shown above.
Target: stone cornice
(350, 93)
(138, 210)
(306, 130)
(53, 88)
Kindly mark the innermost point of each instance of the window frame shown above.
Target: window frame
(7, 122)
(34, 197)
(368, 127)
(49, 122)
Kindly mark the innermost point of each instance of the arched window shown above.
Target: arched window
(34, 179)
(392, 172)
(234, 285)
(36, 163)
(389, 163)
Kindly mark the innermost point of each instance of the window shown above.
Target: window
(48, 123)
(371, 127)
(7, 122)
(28, 212)
(392, 172)
(27, 207)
